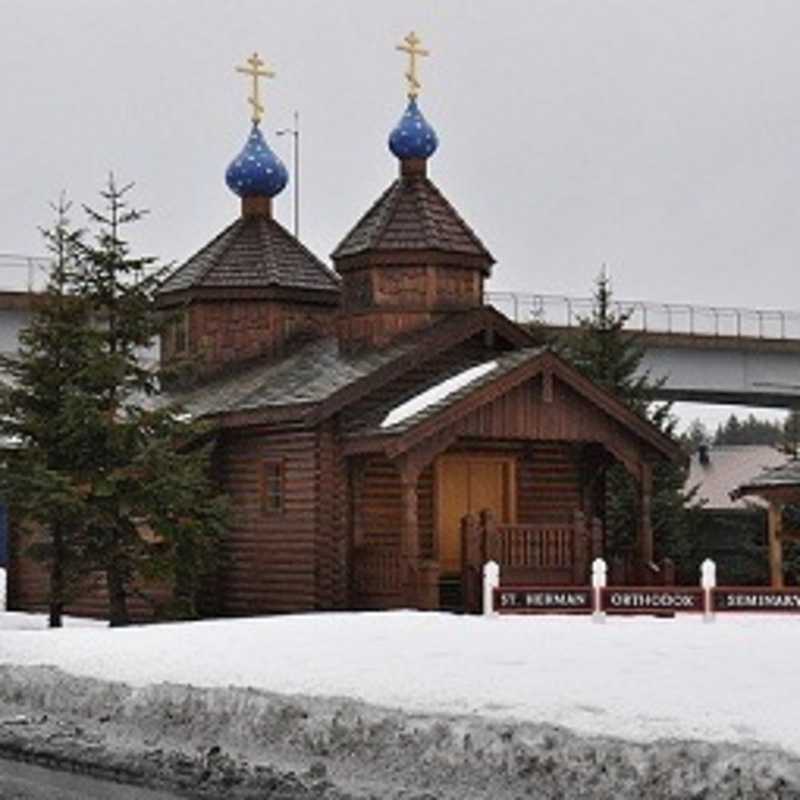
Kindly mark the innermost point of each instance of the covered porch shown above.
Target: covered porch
(779, 488)
(512, 469)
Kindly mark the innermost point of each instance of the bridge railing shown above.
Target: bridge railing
(20, 273)
(566, 311)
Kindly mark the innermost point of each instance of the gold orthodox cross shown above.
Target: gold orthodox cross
(411, 46)
(255, 69)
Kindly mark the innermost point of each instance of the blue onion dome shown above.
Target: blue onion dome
(413, 137)
(256, 171)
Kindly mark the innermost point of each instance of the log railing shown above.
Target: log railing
(557, 550)
(534, 546)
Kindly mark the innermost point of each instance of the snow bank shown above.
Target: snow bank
(183, 734)
(640, 679)
(436, 394)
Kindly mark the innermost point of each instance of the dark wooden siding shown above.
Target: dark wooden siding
(378, 505)
(570, 417)
(332, 573)
(548, 482)
(426, 512)
(270, 559)
(29, 584)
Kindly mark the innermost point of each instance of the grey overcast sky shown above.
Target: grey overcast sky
(659, 137)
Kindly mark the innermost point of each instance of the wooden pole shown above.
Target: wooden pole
(646, 522)
(409, 541)
(775, 545)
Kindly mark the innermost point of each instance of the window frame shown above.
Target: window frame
(273, 485)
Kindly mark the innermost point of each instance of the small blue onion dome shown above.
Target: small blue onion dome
(256, 171)
(413, 137)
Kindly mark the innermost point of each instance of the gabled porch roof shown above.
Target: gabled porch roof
(510, 372)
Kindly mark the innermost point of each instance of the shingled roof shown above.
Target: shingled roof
(320, 369)
(412, 214)
(254, 252)
(786, 476)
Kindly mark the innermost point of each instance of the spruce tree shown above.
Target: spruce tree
(612, 357)
(140, 465)
(41, 420)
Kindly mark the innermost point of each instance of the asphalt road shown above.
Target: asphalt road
(20, 781)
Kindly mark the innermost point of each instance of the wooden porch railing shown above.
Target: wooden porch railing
(558, 550)
(534, 546)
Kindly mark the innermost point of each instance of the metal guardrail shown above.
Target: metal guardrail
(20, 273)
(23, 273)
(565, 311)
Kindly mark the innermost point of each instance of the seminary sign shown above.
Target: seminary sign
(755, 599)
(636, 600)
(545, 600)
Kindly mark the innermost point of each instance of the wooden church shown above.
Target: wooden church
(381, 430)
(365, 412)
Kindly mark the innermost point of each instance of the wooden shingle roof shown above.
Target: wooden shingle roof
(412, 214)
(321, 374)
(254, 252)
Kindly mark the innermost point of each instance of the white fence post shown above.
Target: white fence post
(2, 589)
(491, 581)
(599, 579)
(708, 581)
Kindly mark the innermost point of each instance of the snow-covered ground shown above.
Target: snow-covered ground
(639, 679)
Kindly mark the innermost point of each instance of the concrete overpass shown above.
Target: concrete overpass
(707, 354)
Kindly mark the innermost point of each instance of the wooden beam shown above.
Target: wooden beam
(645, 509)
(409, 534)
(775, 546)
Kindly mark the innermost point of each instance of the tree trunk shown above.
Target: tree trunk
(184, 593)
(56, 598)
(117, 594)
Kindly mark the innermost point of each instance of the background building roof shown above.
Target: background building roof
(728, 467)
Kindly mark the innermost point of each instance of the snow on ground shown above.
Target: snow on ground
(19, 621)
(640, 678)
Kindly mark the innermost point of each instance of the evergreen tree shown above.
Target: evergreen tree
(695, 435)
(610, 356)
(749, 431)
(790, 438)
(147, 508)
(40, 419)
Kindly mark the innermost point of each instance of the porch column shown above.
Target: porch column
(409, 537)
(775, 545)
(645, 548)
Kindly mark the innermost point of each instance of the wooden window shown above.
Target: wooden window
(272, 488)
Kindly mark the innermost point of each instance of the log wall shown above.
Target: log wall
(548, 482)
(270, 558)
(29, 582)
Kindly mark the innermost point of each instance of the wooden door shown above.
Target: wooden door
(469, 484)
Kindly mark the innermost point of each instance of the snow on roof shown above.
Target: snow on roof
(436, 394)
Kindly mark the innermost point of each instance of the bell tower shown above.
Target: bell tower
(411, 258)
(254, 290)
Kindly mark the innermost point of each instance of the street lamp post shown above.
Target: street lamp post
(294, 131)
